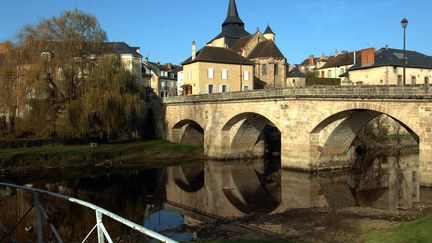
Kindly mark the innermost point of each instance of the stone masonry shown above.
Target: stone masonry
(317, 125)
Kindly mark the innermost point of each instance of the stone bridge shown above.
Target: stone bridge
(317, 125)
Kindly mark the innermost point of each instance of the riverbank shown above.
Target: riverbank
(116, 154)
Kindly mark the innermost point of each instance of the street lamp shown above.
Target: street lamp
(404, 24)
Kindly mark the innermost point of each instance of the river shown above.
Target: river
(194, 201)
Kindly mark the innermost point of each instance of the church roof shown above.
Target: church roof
(232, 15)
(218, 55)
(265, 48)
(233, 27)
(237, 47)
(268, 30)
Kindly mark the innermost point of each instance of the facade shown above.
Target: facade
(269, 69)
(385, 67)
(130, 58)
(338, 65)
(162, 78)
(296, 78)
(312, 64)
(217, 70)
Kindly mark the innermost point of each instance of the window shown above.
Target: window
(245, 88)
(399, 79)
(246, 75)
(224, 88)
(276, 69)
(329, 74)
(210, 88)
(426, 81)
(210, 73)
(413, 80)
(190, 74)
(224, 74)
(263, 69)
(342, 71)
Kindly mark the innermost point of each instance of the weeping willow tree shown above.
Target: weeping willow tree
(72, 86)
(111, 105)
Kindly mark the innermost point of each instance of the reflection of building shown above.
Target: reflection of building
(162, 78)
(385, 67)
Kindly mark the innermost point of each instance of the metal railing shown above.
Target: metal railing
(102, 233)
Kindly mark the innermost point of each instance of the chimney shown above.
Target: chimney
(336, 53)
(193, 50)
(311, 60)
(367, 57)
(355, 57)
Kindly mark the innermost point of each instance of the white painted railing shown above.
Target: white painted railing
(102, 233)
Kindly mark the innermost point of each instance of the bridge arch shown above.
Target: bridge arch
(188, 132)
(250, 135)
(332, 138)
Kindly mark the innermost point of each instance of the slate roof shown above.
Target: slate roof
(218, 55)
(233, 27)
(342, 59)
(295, 73)
(268, 30)
(394, 57)
(123, 48)
(237, 47)
(265, 48)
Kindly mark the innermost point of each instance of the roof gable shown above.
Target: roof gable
(265, 48)
(218, 55)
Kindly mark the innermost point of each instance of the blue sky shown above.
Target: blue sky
(164, 29)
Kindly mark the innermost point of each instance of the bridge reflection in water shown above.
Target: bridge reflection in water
(207, 191)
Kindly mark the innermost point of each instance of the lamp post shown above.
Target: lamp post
(404, 24)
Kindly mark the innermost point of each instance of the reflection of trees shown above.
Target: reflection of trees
(125, 195)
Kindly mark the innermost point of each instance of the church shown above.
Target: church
(235, 60)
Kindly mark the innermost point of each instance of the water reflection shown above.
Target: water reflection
(169, 200)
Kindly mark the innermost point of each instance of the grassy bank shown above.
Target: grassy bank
(416, 231)
(118, 152)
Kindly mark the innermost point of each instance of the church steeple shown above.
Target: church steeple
(232, 15)
(233, 27)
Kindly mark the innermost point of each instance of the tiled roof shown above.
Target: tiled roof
(341, 60)
(123, 48)
(265, 48)
(394, 57)
(218, 55)
(237, 47)
(295, 73)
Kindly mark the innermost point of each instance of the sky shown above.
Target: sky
(165, 29)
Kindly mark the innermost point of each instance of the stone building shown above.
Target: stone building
(161, 78)
(270, 67)
(385, 67)
(216, 70)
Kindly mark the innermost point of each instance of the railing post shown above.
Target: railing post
(38, 217)
(101, 237)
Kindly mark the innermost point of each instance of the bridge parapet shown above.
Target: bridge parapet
(328, 92)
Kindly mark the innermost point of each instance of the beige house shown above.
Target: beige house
(216, 70)
(338, 64)
(385, 67)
